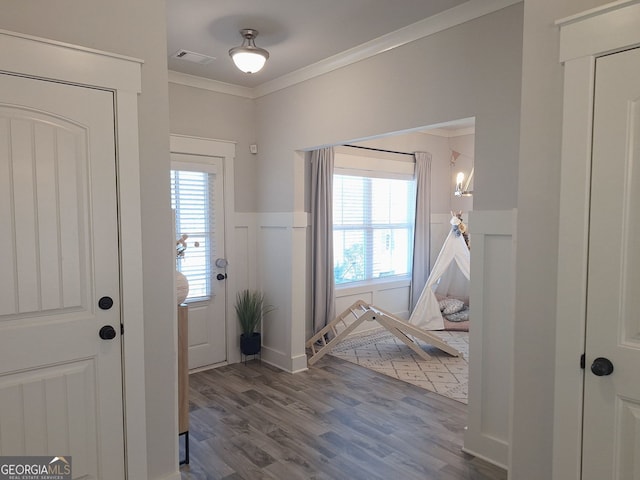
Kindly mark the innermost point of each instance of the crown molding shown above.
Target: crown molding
(208, 84)
(443, 132)
(449, 18)
(594, 12)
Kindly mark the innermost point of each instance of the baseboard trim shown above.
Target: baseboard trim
(299, 363)
(486, 459)
(172, 476)
(204, 368)
(280, 360)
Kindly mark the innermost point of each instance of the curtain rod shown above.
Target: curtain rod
(379, 150)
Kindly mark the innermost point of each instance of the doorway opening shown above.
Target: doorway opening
(390, 158)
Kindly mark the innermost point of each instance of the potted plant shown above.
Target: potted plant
(250, 309)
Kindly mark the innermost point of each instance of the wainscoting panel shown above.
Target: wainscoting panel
(395, 298)
(392, 296)
(242, 271)
(282, 278)
(344, 300)
(491, 334)
(276, 284)
(240, 266)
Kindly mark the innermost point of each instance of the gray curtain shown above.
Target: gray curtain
(322, 281)
(422, 231)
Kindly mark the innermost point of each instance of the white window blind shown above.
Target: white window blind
(192, 198)
(372, 227)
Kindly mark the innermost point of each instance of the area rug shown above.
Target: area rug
(382, 352)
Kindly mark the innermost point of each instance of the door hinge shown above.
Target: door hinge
(122, 329)
(582, 361)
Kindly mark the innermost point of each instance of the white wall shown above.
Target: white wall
(395, 91)
(472, 70)
(116, 26)
(203, 113)
(469, 70)
(537, 245)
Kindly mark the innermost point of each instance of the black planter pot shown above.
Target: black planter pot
(251, 343)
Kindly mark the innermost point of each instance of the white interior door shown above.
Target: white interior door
(60, 383)
(611, 443)
(202, 218)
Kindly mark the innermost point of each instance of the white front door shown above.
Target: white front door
(611, 442)
(200, 215)
(60, 382)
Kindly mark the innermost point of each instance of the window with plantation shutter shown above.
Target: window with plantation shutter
(372, 227)
(192, 199)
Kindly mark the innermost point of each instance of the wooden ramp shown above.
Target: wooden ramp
(360, 312)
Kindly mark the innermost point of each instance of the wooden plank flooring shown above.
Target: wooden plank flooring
(336, 421)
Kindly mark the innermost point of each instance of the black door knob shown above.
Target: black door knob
(602, 366)
(107, 332)
(105, 303)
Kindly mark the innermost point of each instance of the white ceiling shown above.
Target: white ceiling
(297, 33)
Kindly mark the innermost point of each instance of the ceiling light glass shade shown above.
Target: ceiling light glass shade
(249, 62)
(248, 57)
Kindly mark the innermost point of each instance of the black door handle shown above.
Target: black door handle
(105, 303)
(107, 332)
(602, 367)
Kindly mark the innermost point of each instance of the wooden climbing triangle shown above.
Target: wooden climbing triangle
(327, 338)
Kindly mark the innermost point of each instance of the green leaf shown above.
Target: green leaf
(250, 309)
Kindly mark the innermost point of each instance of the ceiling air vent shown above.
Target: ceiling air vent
(193, 57)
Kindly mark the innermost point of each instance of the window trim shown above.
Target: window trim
(374, 166)
(365, 285)
(379, 174)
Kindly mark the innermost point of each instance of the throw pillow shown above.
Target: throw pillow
(450, 305)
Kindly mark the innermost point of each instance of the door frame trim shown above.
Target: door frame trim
(208, 147)
(52, 60)
(583, 38)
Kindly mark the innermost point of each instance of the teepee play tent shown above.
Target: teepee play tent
(447, 282)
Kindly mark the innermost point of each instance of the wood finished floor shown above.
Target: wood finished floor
(336, 421)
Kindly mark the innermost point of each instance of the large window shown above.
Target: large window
(192, 198)
(372, 227)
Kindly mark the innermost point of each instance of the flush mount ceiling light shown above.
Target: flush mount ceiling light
(248, 57)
